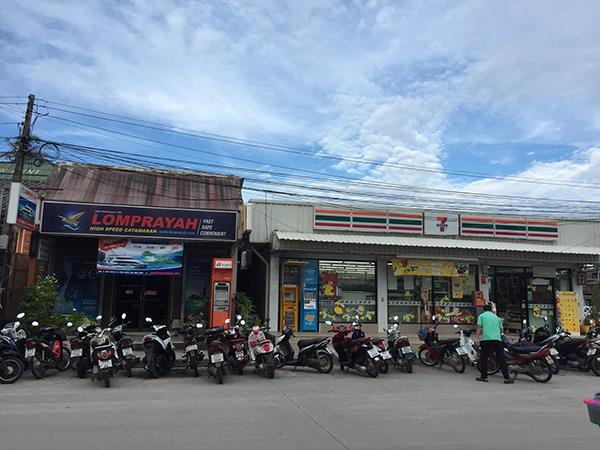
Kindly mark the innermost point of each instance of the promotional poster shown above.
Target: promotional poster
(133, 257)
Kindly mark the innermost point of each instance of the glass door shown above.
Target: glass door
(129, 299)
(155, 299)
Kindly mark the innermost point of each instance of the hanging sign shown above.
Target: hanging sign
(132, 257)
(424, 267)
(113, 220)
(568, 311)
(22, 206)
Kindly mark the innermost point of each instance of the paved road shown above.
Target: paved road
(429, 409)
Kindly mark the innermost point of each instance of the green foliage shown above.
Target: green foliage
(39, 299)
(245, 307)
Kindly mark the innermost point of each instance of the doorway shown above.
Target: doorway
(140, 297)
(509, 292)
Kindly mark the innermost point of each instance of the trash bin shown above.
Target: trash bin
(593, 405)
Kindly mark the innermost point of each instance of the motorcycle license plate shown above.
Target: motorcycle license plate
(461, 351)
(239, 354)
(386, 355)
(549, 359)
(591, 351)
(76, 353)
(553, 352)
(216, 358)
(30, 353)
(127, 351)
(330, 349)
(105, 364)
(406, 349)
(373, 352)
(191, 348)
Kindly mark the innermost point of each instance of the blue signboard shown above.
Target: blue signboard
(86, 219)
(310, 313)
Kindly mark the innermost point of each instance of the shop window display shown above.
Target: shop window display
(347, 290)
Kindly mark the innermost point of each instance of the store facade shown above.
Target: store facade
(138, 242)
(339, 264)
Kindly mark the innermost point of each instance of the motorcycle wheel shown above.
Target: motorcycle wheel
(219, 373)
(65, 360)
(384, 367)
(128, 366)
(493, 366)
(106, 379)
(596, 366)
(326, 362)
(372, 369)
(279, 360)
(408, 365)
(425, 358)
(38, 368)
(151, 364)
(81, 370)
(456, 361)
(540, 370)
(11, 370)
(270, 371)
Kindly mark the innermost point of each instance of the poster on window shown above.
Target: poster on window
(568, 311)
(309, 296)
(424, 268)
(133, 257)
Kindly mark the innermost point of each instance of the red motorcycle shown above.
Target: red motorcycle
(435, 351)
(358, 354)
(237, 349)
(47, 350)
(216, 353)
(531, 360)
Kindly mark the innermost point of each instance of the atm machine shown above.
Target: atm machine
(220, 292)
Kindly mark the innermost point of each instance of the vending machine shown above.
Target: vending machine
(220, 292)
(289, 306)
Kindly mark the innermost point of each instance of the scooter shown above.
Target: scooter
(105, 358)
(358, 354)
(47, 350)
(81, 355)
(581, 353)
(216, 353)
(16, 337)
(435, 351)
(160, 354)
(262, 351)
(192, 355)
(236, 347)
(12, 363)
(399, 348)
(124, 347)
(542, 336)
(384, 354)
(313, 353)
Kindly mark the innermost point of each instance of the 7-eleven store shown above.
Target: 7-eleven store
(323, 263)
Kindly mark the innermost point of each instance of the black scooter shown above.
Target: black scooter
(81, 356)
(125, 355)
(314, 353)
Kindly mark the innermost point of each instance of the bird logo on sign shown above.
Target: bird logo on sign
(71, 222)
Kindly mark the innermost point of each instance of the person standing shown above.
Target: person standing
(488, 336)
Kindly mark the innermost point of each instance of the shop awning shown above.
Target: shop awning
(287, 240)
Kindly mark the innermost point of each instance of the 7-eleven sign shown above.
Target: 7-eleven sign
(441, 224)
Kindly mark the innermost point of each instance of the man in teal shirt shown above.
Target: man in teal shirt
(489, 331)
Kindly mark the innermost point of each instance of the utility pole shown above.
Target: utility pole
(20, 158)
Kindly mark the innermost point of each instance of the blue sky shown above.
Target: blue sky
(505, 88)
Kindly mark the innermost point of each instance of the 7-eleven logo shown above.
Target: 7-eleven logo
(442, 223)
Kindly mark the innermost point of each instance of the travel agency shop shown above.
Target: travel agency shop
(140, 242)
(337, 264)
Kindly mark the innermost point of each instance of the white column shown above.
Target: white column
(273, 293)
(382, 292)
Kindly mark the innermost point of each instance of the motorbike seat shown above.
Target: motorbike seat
(520, 349)
(377, 341)
(306, 342)
(48, 329)
(447, 341)
(214, 330)
(469, 331)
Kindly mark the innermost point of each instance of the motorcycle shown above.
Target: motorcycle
(192, 355)
(160, 354)
(16, 337)
(216, 353)
(435, 351)
(384, 354)
(124, 347)
(81, 355)
(236, 347)
(105, 358)
(358, 354)
(262, 351)
(12, 363)
(47, 350)
(313, 353)
(542, 336)
(399, 348)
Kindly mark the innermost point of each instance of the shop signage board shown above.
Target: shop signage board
(84, 219)
(441, 224)
(568, 311)
(133, 257)
(512, 228)
(428, 268)
(368, 221)
(22, 206)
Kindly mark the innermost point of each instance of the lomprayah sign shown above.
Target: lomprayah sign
(84, 219)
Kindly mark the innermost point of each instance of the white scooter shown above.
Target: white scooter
(160, 354)
(467, 342)
(261, 351)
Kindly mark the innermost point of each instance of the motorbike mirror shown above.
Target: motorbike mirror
(524, 322)
(80, 329)
(395, 318)
(99, 317)
(227, 321)
(69, 324)
(238, 317)
(545, 318)
(123, 316)
(357, 318)
(148, 319)
(35, 323)
(329, 322)
(242, 322)
(354, 324)
(20, 315)
(433, 317)
(199, 325)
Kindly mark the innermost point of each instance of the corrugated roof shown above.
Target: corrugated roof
(126, 186)
(429, 242)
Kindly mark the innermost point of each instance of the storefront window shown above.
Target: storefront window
(415, 293)
(540, 302)
(347, 290)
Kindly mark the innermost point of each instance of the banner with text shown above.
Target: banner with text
(132, 257)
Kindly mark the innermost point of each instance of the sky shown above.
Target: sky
(492, 88)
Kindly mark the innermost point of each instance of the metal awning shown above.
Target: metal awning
(380, 244)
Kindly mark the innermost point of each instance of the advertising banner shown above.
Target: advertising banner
(22, 206)
(131, 257)
(123, 221)
(568, 311)
(310, 320)
(420, 267)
